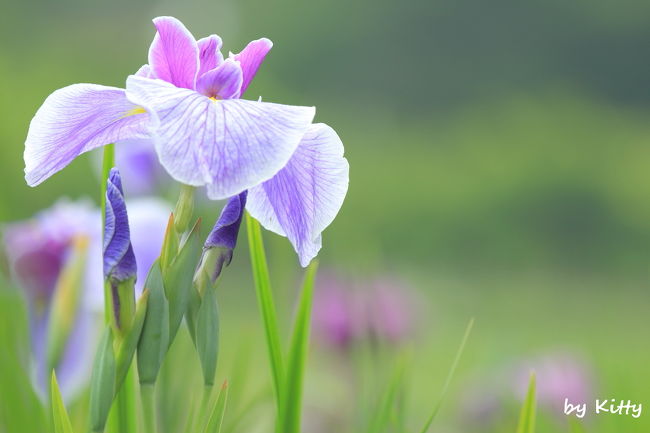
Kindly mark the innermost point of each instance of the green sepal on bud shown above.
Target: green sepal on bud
(154, 339)
(102, 383)
(121, 295)
(127, 347)
(65, 304)
(207, 335)
(178, 276)
(184, 208)
(170, 245)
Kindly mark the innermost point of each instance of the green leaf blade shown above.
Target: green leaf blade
(450, 375)
(102, 388)
(266, 304)
(527, 414)
(60, 414)
(297, 357)
(218, 412)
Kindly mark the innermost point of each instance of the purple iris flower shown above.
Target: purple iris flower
(186, 102)
(223, 237)
(37, 251)
(382, 308)
(119, 259)
(559, 375)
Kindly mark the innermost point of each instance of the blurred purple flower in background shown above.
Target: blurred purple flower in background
(382, 308)
(37, 250)
(185, 101)
(141, 172)
(559, 375)
(336, 321)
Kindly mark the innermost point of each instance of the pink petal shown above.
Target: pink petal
(251, 58)
(209, 53)
(223, 82)
(174, 53)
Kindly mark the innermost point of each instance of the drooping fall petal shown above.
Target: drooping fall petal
(74, 120)
(303, 198)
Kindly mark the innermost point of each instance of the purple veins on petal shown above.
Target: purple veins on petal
(174, 53)
(223, 82)
(119, 260)
(228, 145)
(303, 198)
(209, 53)
(251, 57)
(74, 120)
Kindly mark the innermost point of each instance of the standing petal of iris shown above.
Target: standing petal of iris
(74, 120)
(304, 197)
(209, 53)
(251, 58)
(174, 53)
(229, 145)
(223, 82)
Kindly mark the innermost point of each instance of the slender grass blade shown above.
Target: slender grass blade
(527, 414)
(450, 376)
(60, 414)
(297, 357)
(266, 303)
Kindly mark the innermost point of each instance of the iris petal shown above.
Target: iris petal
(174, 53)
(304, 197)
(251, 58)
(74, 120)
(229, 145)
(209, 53)
(223, 82)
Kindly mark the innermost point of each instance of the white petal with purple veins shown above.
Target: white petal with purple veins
(304, 197)
(74, 120)
(229, 145)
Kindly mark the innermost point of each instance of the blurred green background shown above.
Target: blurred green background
(498, 150)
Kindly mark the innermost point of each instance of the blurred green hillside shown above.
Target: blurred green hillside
(481, 135)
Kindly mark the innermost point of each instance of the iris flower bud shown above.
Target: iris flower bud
(219, 246)
(120, 268)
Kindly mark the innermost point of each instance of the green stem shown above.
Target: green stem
(125, 420)
(148, 407)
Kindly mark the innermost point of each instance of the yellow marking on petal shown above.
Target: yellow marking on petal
(134, 111)
(214, 98)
